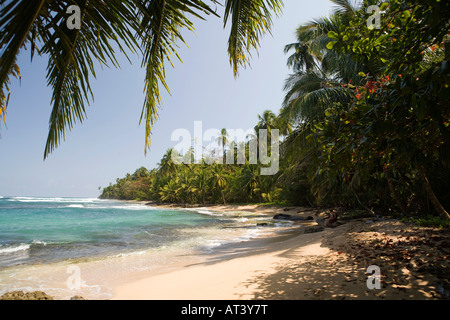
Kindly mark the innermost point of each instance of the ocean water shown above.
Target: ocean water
(43, 240)
(43, 230)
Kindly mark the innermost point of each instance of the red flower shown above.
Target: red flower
(370, 86)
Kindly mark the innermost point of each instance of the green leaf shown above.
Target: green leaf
(250, 20)
(332, 35)
(331, 44)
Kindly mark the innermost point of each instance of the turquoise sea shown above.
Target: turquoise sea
(42, 230)
(41, 239)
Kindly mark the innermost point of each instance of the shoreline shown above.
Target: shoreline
(331, 264)
(298, 263)
(100, 274)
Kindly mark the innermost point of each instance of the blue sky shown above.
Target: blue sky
(110, 142)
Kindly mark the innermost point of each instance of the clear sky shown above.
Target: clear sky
(110, 142)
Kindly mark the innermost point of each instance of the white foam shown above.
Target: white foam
(74, 206)
(20, 247)
(39, 242)
(129, 254)
(210, 244)
(122, 207)
(205, 212)
(50, 199)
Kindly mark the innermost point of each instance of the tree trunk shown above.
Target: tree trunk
(223, 196)
(434, 200)
(395, 195)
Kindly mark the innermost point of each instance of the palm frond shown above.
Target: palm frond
(344, 7)
(161, 26)
(72, 54)
(152, 26)
(309, 94)
(250, 20)
(17, 19)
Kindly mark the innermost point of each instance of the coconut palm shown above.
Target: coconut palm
(318, 71)
(218, 180)
(318, 81)
(222, 140)
(266, 121)
(201, 181)
(150, 27)
(167, 167)
(248, 181)
(169, 192)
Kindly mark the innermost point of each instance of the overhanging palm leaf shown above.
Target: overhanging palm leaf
(161, 26)
(16, 21)
(5, 92)
(14, 30)
(72, 54)
(250, 19)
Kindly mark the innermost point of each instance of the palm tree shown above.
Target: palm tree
(318, 71)
(218, 180)
(266, 121)
(317, 82)
(222, 140)
(169, 192)
(150, 27)
(201, 181)
(249, 180)
(167, 167)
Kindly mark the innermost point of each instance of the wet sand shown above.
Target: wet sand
(331, 264)
(306, 262)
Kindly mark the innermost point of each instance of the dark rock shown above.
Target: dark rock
(77, 298)
(20, 295)
(443, 287)
(262, 224)
(282, 216)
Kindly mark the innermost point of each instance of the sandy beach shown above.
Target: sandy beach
(306, 262)
(330, 264)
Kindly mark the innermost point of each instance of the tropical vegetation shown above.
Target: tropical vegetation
(365, 122)
(365, 119)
